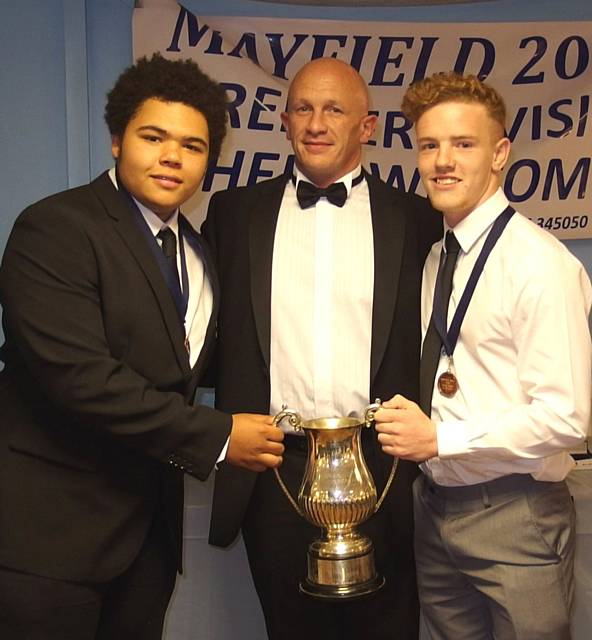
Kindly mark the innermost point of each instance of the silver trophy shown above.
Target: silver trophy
(337, 494)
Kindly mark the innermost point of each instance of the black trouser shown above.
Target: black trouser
(132, 606)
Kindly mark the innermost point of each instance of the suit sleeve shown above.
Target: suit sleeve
(50, 290)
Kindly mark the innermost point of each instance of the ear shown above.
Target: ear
(368, 126)
(285, 121)
(501, 153)
(115, 146)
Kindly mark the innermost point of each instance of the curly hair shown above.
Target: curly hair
(170, 81)
(449, 86)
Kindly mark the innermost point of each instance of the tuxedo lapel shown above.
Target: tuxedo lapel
(388, 229)
(201, 249)
(262, 223)
(126, 225)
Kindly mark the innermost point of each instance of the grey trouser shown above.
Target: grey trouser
(495, 560)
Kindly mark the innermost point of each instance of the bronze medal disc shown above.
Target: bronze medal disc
(447, 384)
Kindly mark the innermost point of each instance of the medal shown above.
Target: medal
(448, 382)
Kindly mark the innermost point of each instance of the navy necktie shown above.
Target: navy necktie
(432, 344)
(169, 248)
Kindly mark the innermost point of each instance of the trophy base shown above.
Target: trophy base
(340, 577)
(336, 592)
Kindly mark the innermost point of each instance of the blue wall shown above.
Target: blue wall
(33, 113)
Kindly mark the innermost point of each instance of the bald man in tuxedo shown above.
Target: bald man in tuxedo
(320, 274)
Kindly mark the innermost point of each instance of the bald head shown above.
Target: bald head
(330, 69)
(327, 119)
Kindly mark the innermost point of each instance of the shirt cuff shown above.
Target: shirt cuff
(222, 453)
(452, 439)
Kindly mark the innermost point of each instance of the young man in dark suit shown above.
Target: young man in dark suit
(320, 310)
(109, 302)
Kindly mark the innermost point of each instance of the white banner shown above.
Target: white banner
(542, 69)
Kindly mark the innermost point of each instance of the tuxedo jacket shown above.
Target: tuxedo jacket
(96, 425)
(240, 228)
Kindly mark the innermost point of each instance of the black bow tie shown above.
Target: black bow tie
(309, 194)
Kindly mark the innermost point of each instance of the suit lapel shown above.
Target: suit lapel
(388, 229)
(262, 223)
(128, 228)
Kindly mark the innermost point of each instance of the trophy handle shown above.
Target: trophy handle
(296, 422)
(293, 418)
(370, 410)
(369, 413)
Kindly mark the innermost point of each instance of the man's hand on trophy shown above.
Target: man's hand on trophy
(405, 431)
(255, 442)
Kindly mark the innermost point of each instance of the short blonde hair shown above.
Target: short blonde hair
(449, 86)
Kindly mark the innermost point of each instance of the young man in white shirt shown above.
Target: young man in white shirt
(510, 354)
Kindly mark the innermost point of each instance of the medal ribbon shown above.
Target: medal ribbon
(450, 337)
(184, 278)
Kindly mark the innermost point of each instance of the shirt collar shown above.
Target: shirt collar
(473, 226)
(152, 220)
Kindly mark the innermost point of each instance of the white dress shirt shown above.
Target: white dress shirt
(200, 303)
(523, 358)
(321, 304)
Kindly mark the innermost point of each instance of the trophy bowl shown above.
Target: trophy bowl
(337, 494)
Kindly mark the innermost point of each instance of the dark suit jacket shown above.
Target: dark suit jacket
(240, 228)
(95, 422)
